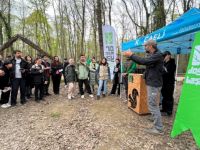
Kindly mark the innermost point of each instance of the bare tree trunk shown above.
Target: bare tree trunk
(109, 11)
(99, 21)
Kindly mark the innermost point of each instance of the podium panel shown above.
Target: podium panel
(137, 94)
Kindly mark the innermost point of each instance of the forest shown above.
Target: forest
(68, 28)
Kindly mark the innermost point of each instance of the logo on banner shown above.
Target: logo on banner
(109, 37)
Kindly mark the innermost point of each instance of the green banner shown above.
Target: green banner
(188, 112)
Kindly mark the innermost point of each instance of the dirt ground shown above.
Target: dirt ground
(61, 124)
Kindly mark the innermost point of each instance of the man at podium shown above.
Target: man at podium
(153, 79)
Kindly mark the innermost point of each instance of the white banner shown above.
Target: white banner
(109, 45)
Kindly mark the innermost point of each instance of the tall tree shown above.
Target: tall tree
(99, 22)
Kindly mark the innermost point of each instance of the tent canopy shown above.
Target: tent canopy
(177, 37)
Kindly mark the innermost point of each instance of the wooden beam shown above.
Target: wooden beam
(25, 40)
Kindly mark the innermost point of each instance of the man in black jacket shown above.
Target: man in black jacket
(153, 79)
(168, 84)
(18, 74)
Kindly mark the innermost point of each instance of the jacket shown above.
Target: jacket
(82, 70)
(37, 72)
(5, 80)
(70, 73)
(130, 69)
(46, 71)
(116, 77)
(29, 78)
(154, 68)
(55, 69)
(169, 72)
(103, 72)
(24, 65)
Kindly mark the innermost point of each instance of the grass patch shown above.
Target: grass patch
(55, 114)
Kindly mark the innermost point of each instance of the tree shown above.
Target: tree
(99, 22)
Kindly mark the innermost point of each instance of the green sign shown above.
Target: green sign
(188, 112)
(109, 37)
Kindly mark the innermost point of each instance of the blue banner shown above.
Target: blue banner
(185, 25)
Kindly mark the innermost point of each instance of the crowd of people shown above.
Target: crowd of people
(26, 74)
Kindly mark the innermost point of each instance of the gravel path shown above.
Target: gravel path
(60, 124)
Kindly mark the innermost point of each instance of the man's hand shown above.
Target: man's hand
(128, 53)
(124, 74)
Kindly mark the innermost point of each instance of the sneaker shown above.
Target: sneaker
(82, 96)
(69, 98)
(6, 105)
(73, 97)
(104, 95)
(154, 131)
(91, 96)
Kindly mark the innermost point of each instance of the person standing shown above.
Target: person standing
(37, 72)
(65, 64)
(5, 83)
(47, 68)
(29, 84)
(153, 79)
(127, 68)
(93, 71)
(168, 84)
(83, 72)
(56, 72)
(104, 75)
(18, 77)
(70, 75)
(116, 78)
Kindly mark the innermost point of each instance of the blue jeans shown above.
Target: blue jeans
(102, 83)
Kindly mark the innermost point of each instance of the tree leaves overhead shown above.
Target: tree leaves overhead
(70, 27)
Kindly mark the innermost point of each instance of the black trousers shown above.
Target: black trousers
(39, 91)
(116, 86)
(168, 99)
(46, 87)
(4, 97)
(56, 83)
(28, 90)
(87, 86)
(16, 84)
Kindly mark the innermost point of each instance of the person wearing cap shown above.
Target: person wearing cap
(168, 84)
(153, 78)
(5, 82)
(116, 78)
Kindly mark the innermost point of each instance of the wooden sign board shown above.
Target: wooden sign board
(137, 94)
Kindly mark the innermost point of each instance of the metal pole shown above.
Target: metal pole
(176, 74)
